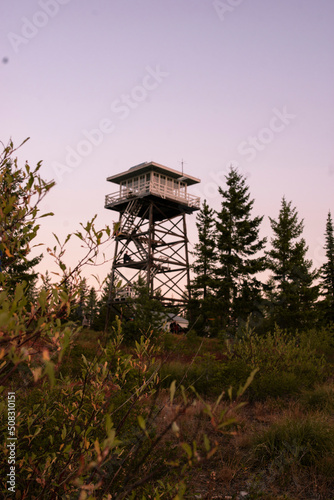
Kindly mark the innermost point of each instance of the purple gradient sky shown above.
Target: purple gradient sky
(226, 76)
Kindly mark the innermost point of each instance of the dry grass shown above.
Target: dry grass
(233, 468)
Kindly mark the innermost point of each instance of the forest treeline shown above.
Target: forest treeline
(230, 258)
(228, 289)
(229, 261)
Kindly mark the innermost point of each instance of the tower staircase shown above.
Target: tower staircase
(141, 250)
(129, 215)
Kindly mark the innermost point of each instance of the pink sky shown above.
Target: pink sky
(102, 86)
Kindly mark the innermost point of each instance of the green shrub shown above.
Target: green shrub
(209, 378)
(143, 315)
(286, 365)
(267, 385)
(320, 398)
(294, 441)
(320, 340)
(168, 342)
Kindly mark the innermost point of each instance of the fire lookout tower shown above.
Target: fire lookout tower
(151, 232)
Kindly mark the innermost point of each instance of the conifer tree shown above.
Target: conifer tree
(16, 266)
(20, 192)
(47, 282)
(143, 314)
(92, 307)
(293, 294)
(105, 313)
(205, 252)
(81, 309)
(238, 245)
(202, 305)
(327, 272)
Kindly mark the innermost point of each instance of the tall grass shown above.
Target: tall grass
(321, 398)
(295, 441)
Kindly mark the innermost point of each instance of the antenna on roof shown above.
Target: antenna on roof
(182, 163)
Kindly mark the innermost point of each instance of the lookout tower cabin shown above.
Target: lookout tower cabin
(151, 232)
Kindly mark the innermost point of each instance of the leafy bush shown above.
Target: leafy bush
(67, 432)
(280, 385)
(320, 340)
(286, 365)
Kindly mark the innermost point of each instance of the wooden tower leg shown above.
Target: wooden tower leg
(187, 255)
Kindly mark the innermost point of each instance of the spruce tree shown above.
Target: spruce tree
(18, 225)
(327, 273)
(78, 306)
(143, 315)
(92, 308)
(293, 294)
(105, 312)
(202, 286)
(205, 252)
(238, 244)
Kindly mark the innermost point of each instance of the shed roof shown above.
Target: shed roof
(179, 319)
(155, 167)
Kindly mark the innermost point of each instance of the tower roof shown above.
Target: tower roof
(142, 168)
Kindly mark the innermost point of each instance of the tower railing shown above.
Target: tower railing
(152, 187)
